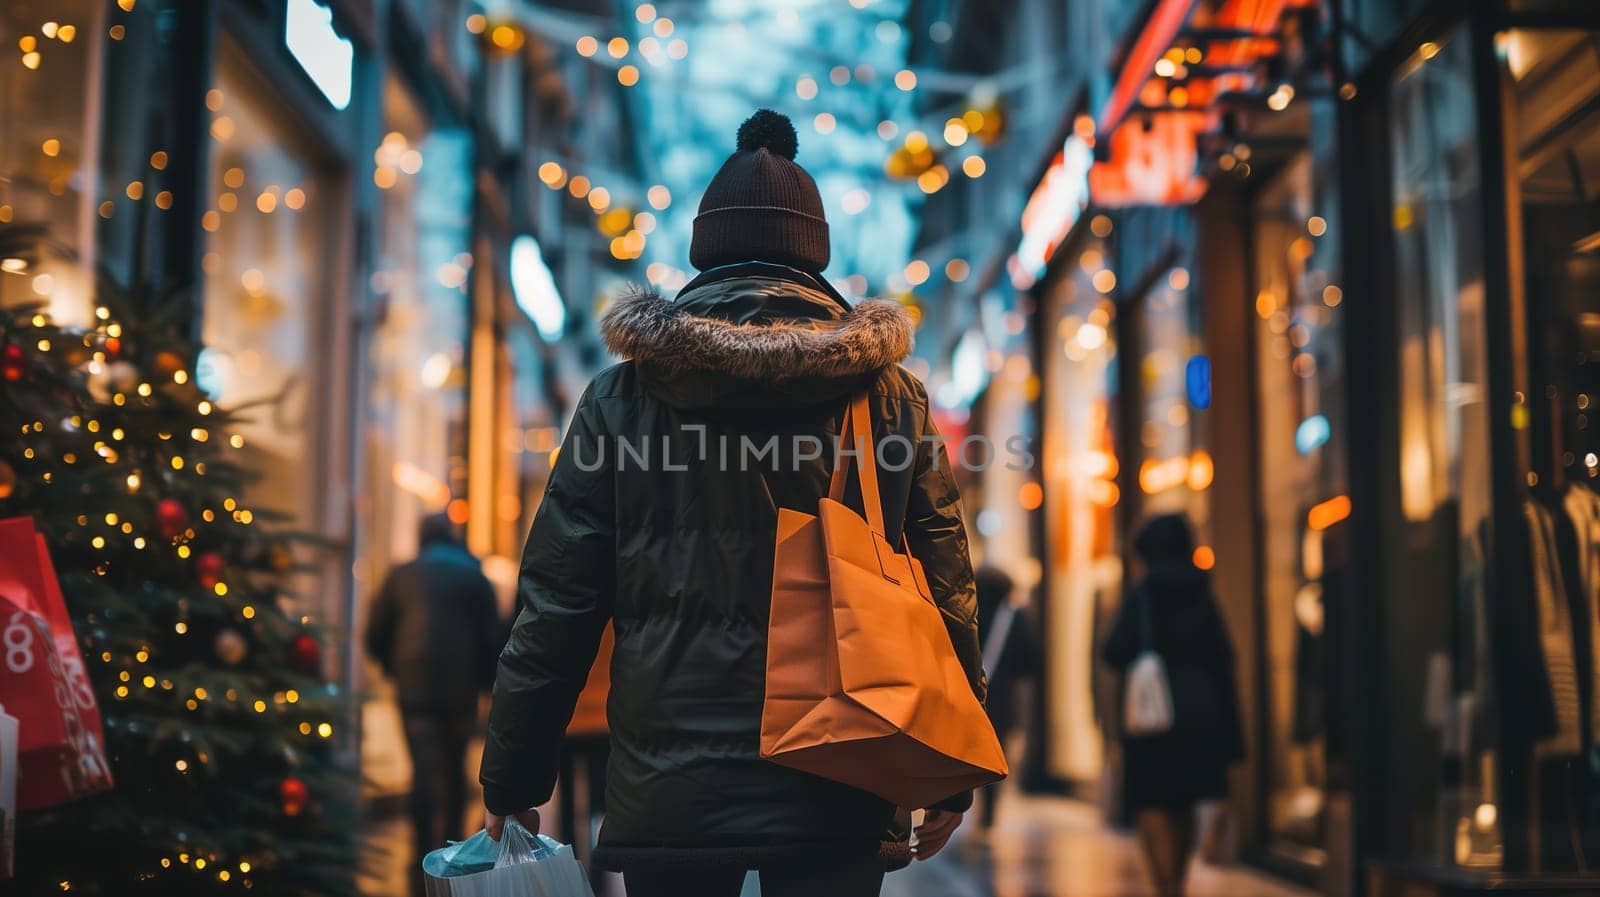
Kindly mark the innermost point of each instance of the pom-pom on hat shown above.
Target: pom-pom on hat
(761, 206)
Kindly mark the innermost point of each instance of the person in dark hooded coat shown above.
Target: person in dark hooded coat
(1171, 611)
(671, 539)
(435, 627)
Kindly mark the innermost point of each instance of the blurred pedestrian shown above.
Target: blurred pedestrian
(1171, 612)
(1010, 657)
(435, 627)
(758, 351)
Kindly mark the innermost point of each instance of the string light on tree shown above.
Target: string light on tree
(142, 520)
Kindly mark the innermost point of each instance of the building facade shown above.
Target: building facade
(345, 197)
(1314, 274)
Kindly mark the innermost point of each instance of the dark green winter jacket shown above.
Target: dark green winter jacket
(674, 545)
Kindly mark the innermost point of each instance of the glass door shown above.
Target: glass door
(1300, 430)
(1442, 800)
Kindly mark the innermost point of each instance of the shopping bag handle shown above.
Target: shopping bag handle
(857, 431)
(518, 845)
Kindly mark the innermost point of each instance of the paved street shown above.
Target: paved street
(1048, 847)
(1040, 847)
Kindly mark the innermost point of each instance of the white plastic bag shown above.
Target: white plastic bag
(525, 865)
(1147, 693)
(1147, 708)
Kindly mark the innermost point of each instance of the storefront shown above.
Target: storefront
(1300, 498)
(1080, 467)
(1168, 371)
(415, 385)
(159, 158)
(49, 151)
(330, 185)
(1481, 237)
(275, 262)
(415, 440)
(1363, 369)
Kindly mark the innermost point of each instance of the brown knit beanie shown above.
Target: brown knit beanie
(761, 206)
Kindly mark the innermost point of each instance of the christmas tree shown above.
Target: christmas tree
(219, 726)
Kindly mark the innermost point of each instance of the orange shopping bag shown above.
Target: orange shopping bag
(863, 684)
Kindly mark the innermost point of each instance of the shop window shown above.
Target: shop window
(50, 189)
(414, 437)
(416, 441)
(1443, 805)
(1552, 80)
(269, 270)
(1080, 475)
(1300, 429)
(1175, 464)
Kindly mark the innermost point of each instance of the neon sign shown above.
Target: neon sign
(1056, 204)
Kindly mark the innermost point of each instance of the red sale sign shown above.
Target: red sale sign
(60, 739)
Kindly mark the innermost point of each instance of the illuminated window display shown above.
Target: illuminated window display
(1553, 126)
(268, 263)
(1080, 470)
(415, 438)
(1175, 465)
(1438, 653)
(414, 441)
(50, 191)
(1300, 429)
(1492, 657)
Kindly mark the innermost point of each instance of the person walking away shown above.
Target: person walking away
(1172, 613)
(732, 390)
(436, 630)
(1010, 656)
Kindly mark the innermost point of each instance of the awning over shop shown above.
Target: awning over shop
(1194, 74)
(1159, 33)
(1191, 64)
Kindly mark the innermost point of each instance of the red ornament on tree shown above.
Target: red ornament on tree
(305, 653)
(294, 796)
(14, 362)
(208, 568)
(171, 517)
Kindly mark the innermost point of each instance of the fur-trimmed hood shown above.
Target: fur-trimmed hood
(757, 329)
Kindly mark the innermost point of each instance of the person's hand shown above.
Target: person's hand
(495, 824)
(935, 831)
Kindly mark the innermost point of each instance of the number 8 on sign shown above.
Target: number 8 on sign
(17, 641)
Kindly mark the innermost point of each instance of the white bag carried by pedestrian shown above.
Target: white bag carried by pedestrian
(1147, 693)
(520, 865)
